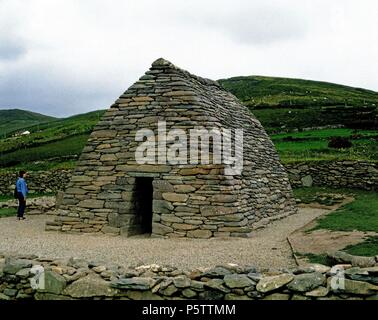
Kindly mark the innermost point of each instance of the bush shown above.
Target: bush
(339, 143)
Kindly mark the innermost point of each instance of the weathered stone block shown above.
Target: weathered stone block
(359, 287)
(237, 281)
(76, 191)
(307, 181)
(193, 171)
(174, 197)
(200, 233)
(235, 229)
(318, 292)
(92, 204)
(108, 157)
(160, 229)
(111, 230)
(54, 283)
(170, 218)
(90, 286)
(12, 266)
(277, 296)
(224, 198)
(146, 168)
(81, 179)
(183, 226)
(104, 134)
(271, 283)
(306, 282)
(183, 189)
(120, 220)
(135, 283)
(181, 282)
(162, 206)
(217, 210)
(142, 295)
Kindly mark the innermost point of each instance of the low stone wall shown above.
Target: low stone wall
(338, 174)
(38, 205)
(352, 174)
(77, 279)
(38, 181)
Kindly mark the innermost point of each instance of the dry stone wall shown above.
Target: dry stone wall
(338, 174)
(72, 279)
(197, 201)
(349, 174)
(39, 205)
(38, 181)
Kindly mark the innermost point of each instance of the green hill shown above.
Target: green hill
(55, 139)
(13, 120)
(287, 104)
(281, 105)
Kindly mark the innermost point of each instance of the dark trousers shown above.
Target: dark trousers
(21, 205)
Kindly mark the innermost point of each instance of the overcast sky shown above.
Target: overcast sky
(63, 57)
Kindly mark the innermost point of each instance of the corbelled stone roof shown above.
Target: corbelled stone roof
(161, 62)
(188, 200)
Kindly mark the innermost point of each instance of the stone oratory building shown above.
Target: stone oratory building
(111, 192)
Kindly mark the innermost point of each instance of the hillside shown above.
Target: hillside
(12, 120)
(58, 138)
(280, 104)
(287, 104)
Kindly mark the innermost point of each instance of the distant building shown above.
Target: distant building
(23, 133)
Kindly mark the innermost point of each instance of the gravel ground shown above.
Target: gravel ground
(267, 248)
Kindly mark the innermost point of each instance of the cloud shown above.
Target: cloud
(12, 45)
(48, 92)
(11, 48)
(255, 22)
(61, 57)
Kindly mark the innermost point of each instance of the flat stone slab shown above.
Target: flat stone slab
(90, 286)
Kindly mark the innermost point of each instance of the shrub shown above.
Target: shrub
(339, 143)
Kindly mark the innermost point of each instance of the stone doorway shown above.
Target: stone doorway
(143, 203)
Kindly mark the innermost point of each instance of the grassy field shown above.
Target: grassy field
(359, 215)
(30, 196)
(5, 197)
(7, 212)
(367, 248)
(326, 133)
(15, 120)
(314, 258)
(293, 147)
(23, 157)
(322, 195)
(41, 165)
(313, 145)
(283, 103)
(50, 145)
(276, 91)
(52, 131)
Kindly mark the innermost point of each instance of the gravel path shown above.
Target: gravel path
(267, 248)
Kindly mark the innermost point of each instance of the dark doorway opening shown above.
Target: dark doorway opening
(143, 205)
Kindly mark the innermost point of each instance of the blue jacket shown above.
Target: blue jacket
(22, 187)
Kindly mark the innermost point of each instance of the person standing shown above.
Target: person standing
(22, 192)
